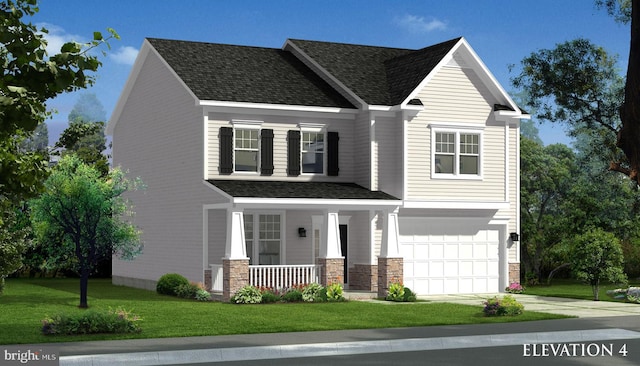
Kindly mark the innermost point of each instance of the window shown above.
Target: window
(456, 153)
(313, 152)
(246, 150)
(241, 151)
(263, 248)
(269, 243)
(248, 236)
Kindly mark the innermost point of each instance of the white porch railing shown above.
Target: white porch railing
(216, 277)
(283, 276)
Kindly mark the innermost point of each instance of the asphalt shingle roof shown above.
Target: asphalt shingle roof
(378, 75)
(246, 74)
(280, 189)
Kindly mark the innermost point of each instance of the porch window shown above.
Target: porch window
(456, 154)
(263, 247)
(269, 244)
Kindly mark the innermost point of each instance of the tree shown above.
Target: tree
(38, 140)
(87, 141)
(79, 219)
(577, 82)
(545, 180)
(30, 78)
(596, 256)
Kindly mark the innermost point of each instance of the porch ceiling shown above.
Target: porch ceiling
(315, 190)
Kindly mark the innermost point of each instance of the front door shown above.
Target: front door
(343, 247)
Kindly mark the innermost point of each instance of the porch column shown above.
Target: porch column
(235, 264)
(390, 262)
(331, 260)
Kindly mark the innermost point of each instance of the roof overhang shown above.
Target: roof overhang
(351, 201)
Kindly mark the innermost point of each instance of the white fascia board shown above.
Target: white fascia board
(133, 76)
(307, 203)
(276, 109)
(457, 205)
(325, 72)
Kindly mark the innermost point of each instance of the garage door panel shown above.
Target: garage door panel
(436, 269)
(449, 258)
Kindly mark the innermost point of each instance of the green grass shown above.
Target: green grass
(573, 289)
(26, 302)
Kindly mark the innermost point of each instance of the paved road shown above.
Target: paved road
(493, 344)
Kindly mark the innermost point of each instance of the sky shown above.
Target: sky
(502, 32)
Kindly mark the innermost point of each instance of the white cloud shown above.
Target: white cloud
(57, 37)
(418, 24)
(124, 55)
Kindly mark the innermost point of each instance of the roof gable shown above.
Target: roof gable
(246, 74)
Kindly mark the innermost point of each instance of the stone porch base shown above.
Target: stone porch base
(390, 270)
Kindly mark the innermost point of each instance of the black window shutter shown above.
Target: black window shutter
(266, 152)
(226, 150)
(332, 153)
(293, 152)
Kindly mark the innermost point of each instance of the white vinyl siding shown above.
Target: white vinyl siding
(456, 97)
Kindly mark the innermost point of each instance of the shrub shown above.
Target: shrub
(202, 295)
(396, 292)
(531, 279)
(506, 306)
(92, 322)
(515, 288)
(169, 283)
(187, 291)
(269, 297)
(409, 296)
(311, 292)
(293, 295)
(334, 292)
(247, 295)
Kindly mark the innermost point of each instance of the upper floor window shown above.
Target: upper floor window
(313, 149)
(457, 153)
(246, 150)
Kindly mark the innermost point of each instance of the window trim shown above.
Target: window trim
(457, 131)
(247, 125)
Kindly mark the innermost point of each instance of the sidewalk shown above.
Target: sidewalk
(554, 305)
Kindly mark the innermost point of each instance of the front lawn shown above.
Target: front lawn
(573, 289)
(26, 302)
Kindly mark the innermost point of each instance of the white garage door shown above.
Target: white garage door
(442, 257)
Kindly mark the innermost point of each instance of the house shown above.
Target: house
(323, 162)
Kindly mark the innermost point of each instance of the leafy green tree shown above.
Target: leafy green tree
(596, 256)
(38, 140)
(30, 78)
(87, 141)
(546, 176)
(80, 218)
(13, 242)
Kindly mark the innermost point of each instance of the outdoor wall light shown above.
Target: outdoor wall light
(302, 232)
(514, 237)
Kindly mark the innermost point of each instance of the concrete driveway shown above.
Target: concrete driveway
(554, 305)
